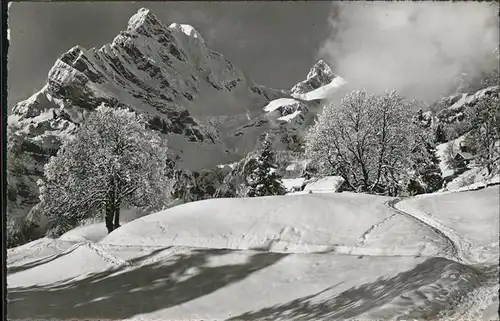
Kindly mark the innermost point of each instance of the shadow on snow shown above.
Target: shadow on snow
(125, 292)
(438, 274)
(143, 289)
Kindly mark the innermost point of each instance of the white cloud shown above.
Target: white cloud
(417, 48)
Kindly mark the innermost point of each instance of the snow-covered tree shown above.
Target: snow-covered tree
(264, 180)
(368, 139)
(113, 160)
(484, 136)
(235, 182)
(427, 176)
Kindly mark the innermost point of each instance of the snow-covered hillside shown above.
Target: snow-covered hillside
(320, 257)
(302, 223)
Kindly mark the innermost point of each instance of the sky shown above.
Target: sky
(275, 43)
(419, 49)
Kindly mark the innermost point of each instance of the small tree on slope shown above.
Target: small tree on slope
(264, 181)
(113, 160)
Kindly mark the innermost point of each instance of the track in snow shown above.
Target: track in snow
(451, 251)
(479, 299)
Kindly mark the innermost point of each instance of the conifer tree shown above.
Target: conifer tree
(264, 181)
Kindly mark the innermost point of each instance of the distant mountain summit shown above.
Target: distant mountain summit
(320, 74)
(209, 110)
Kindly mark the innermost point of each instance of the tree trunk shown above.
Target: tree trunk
(116, 216)
(110, 206)
(109, 217)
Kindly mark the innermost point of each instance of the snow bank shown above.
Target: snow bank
(35, 250)
(87, 233)
(244, 223)
(80, 259)
(280, 102)
(292, 223)
(325, 256)
(206, 284)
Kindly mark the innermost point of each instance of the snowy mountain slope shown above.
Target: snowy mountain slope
(168, 74)
(291, 116)
(197, 263)
(455, 180)
(449, 116)
(184, 88)
(205, 284)
(319, 85)
(209, 110)
(452, 107)
(323, 92)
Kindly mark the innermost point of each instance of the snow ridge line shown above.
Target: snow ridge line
(364, 236)
(275, 246)
(47, 258)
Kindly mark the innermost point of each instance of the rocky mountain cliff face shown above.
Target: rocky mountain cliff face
(451, 109)
(209, 110)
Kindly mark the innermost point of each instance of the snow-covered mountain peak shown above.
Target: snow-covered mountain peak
(144, 19)
(319, 70)
(187, 30)
(320, 74)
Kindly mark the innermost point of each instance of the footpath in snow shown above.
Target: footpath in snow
(474, 214)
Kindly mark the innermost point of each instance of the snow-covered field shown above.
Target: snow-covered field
(296, 257)
(473, 215)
